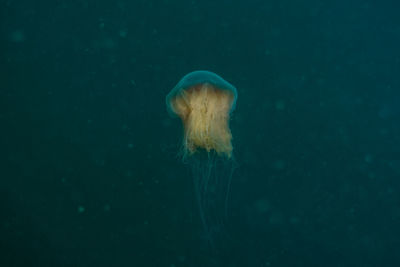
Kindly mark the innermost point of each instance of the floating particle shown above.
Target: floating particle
(81, 209)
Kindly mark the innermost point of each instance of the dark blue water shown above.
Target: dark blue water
(90, 173)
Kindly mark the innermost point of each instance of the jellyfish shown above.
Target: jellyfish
(204, 102)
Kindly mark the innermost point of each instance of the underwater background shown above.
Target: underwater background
(90, 168)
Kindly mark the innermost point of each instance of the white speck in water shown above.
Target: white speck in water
(107, 208)
(123, 33)
(368, 158)
(18, 36)
(280, 105)
(279, 164)
(81, 209)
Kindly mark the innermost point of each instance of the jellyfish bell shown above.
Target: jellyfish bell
(204, 102)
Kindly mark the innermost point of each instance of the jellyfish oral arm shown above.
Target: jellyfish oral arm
(204, 110)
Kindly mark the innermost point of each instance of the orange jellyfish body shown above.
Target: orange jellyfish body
(204, 102)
